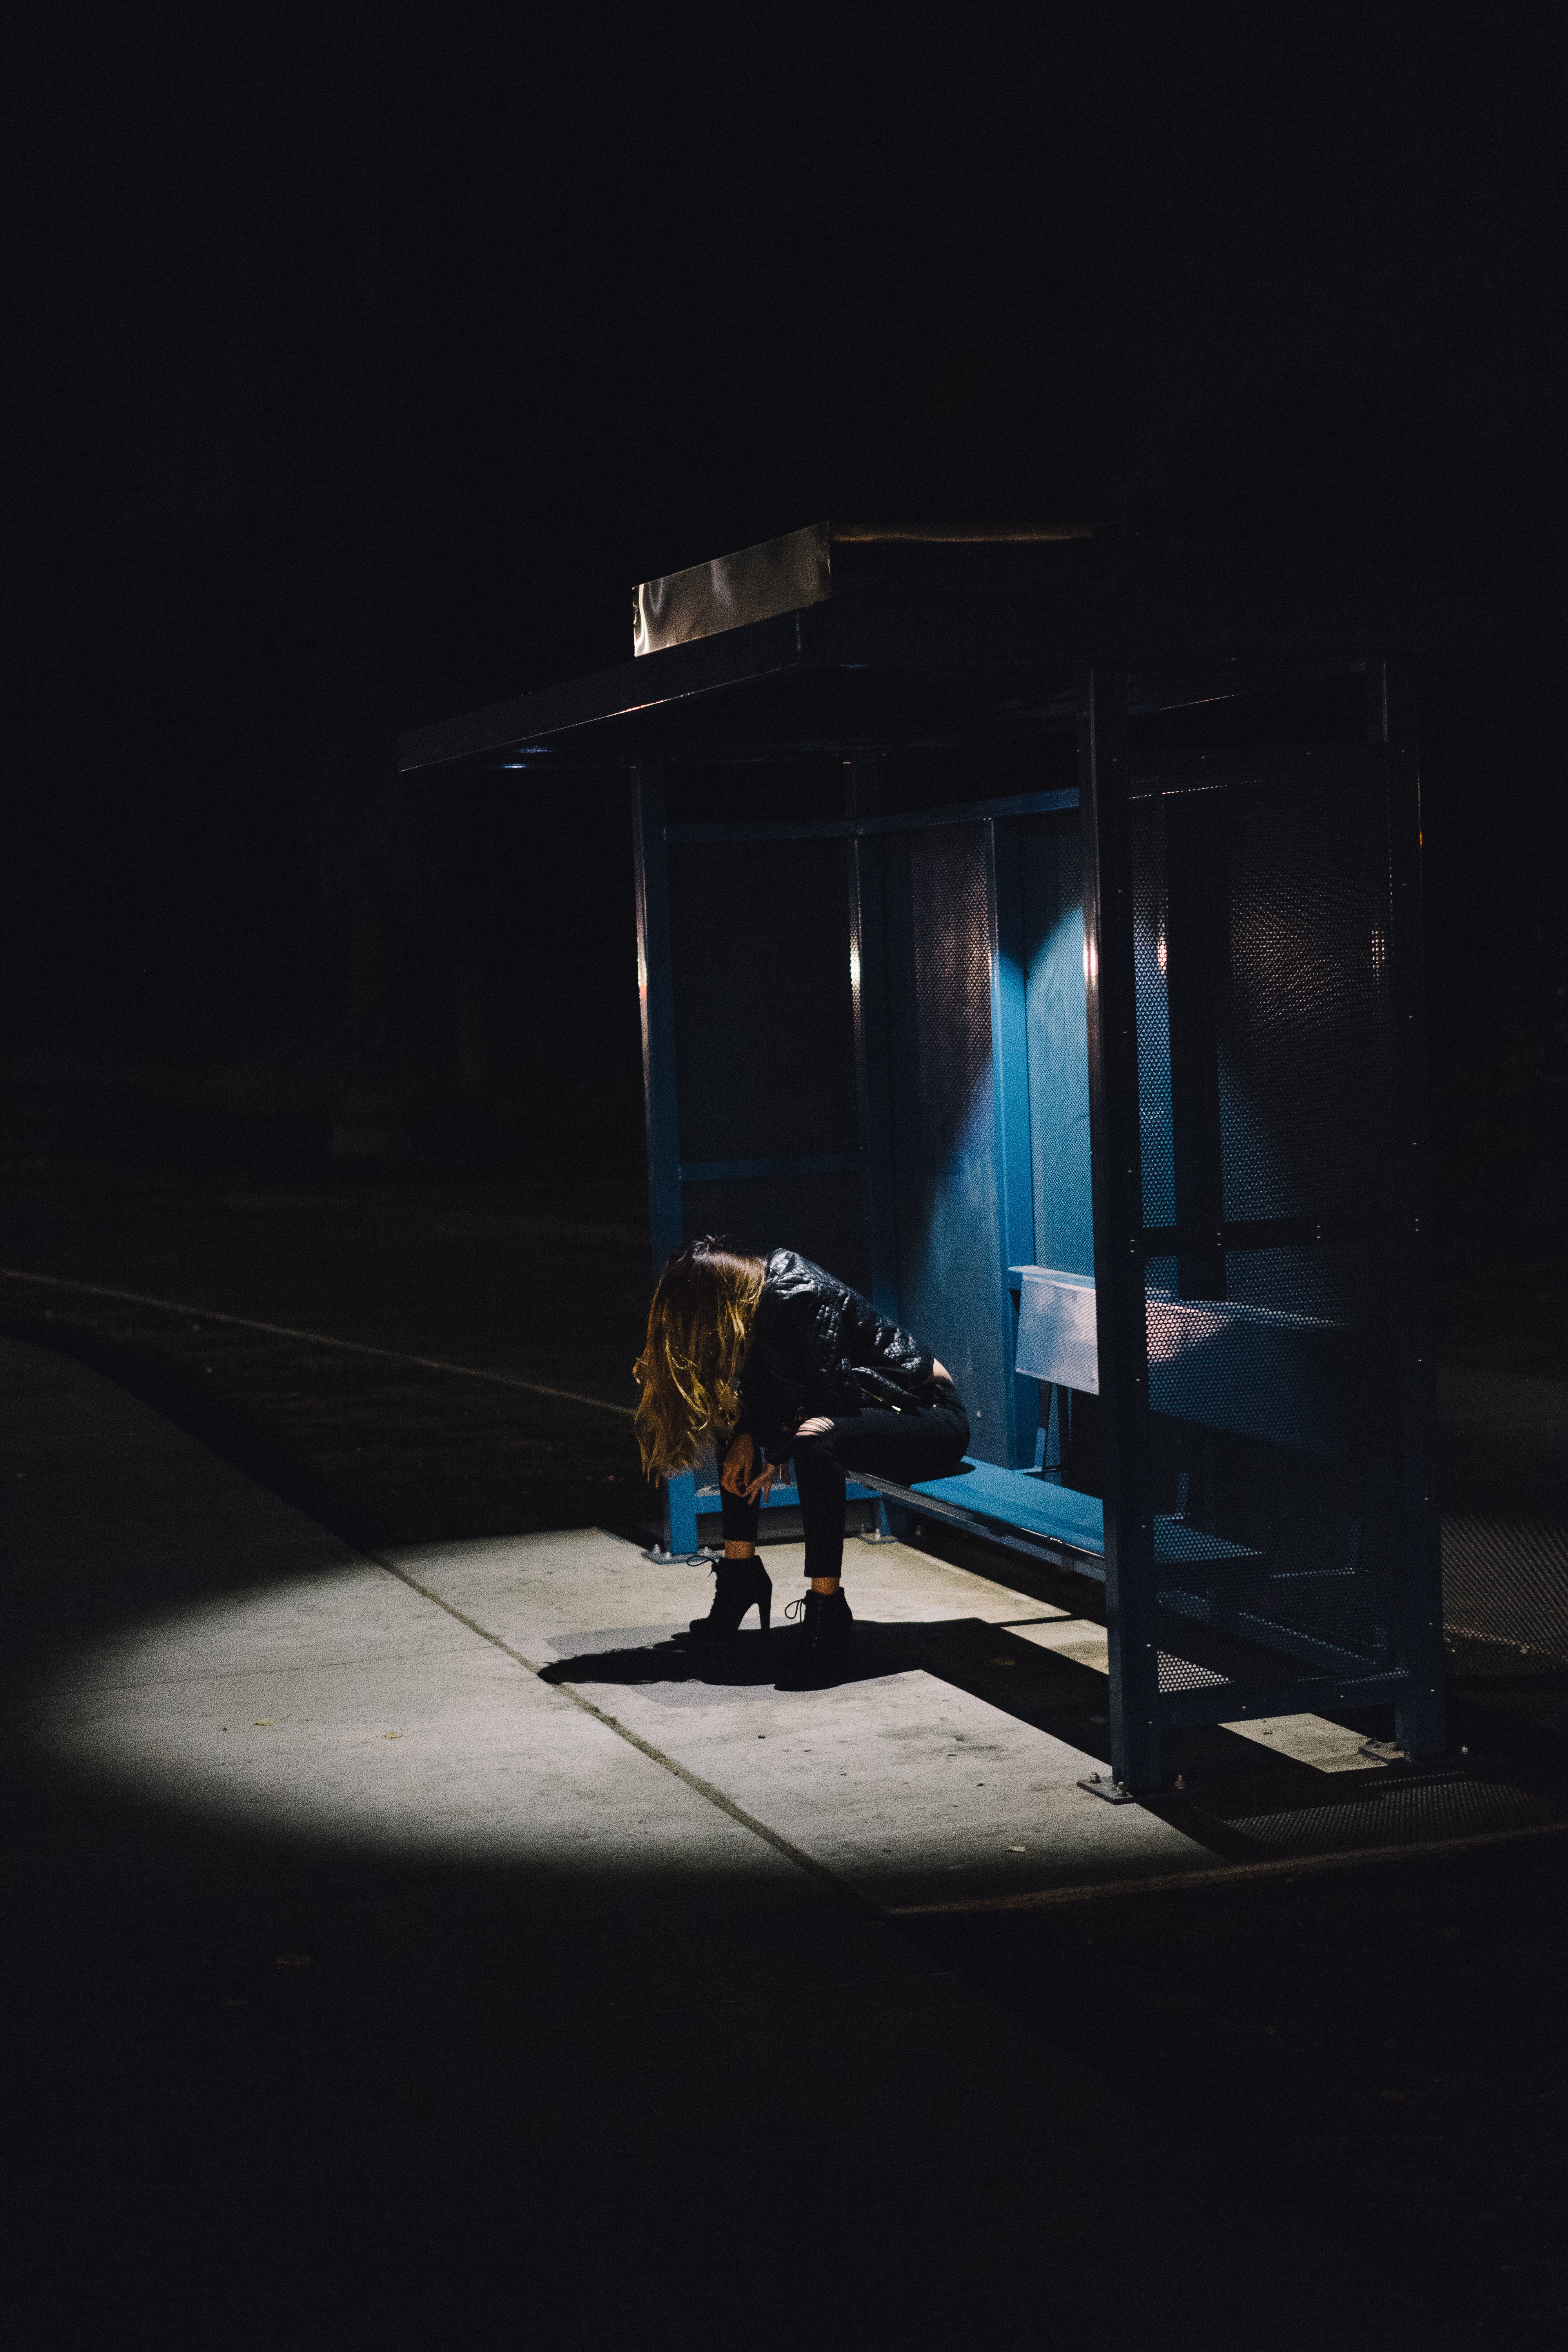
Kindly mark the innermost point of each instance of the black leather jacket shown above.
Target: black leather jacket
(817, 1347)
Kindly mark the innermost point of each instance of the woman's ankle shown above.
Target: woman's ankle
(739, 1551)
(824, 1583)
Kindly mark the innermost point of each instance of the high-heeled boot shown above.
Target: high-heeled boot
(822, 1645)
(738, 1583)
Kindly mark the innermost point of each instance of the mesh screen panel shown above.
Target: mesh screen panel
(1505, 1577)
(1320, 1280)
(938, 939)
(1264, 1025)
(1149, 952)
(1305, 1066)
(764, 1021)
(1404, 1812)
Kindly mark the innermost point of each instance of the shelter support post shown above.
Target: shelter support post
(1416, 1528)
(1118, 1191)
(656, 997)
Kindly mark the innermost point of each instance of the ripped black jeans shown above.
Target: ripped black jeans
(916, 1441)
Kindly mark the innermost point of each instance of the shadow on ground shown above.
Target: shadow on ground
(1031, 1685)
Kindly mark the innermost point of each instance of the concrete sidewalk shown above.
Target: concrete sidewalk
(380, 1987)
(905, 1786)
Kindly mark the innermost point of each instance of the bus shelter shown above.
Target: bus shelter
(1029, 930)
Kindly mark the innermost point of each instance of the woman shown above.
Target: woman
(770, 1358)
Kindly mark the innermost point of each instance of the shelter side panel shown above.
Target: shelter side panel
(1272, 1184)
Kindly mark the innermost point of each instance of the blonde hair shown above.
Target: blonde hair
(699, 1329)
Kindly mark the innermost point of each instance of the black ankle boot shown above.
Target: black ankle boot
(739, 1582)
(822, 1645)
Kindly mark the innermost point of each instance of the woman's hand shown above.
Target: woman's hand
(741, 1474)
(737, 1466)
(746, 1474)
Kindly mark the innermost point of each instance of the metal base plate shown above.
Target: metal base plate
(1111, 1791)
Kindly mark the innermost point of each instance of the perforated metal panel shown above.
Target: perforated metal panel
(1404, 1812)
(1266, 1079)
(1150, 956)
(1052, 873)
(950, 1258)
(1305, 1063)
(1505, 1578)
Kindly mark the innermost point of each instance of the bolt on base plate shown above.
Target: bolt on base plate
(1111, 1791)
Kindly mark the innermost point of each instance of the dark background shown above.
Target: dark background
(360, 362)
(366, 358)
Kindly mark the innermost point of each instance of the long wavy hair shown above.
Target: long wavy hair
(699, 1329)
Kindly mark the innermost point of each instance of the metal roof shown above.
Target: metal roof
(979, 648)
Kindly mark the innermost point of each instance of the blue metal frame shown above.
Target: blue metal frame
(1118, 1177)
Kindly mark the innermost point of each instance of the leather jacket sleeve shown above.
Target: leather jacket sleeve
(817, 1347)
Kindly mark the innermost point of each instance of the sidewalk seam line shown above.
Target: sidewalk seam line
(694, 1780)
(316, 1338)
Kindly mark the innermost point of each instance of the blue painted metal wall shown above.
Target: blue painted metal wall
(950, 1224)
(1051, 856)
(1014, 1151)
(1150, 959)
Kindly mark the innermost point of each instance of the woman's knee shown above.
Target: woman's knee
(815, 1459)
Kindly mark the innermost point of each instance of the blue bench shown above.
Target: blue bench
(1010, 1508)
(1024, 1512)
